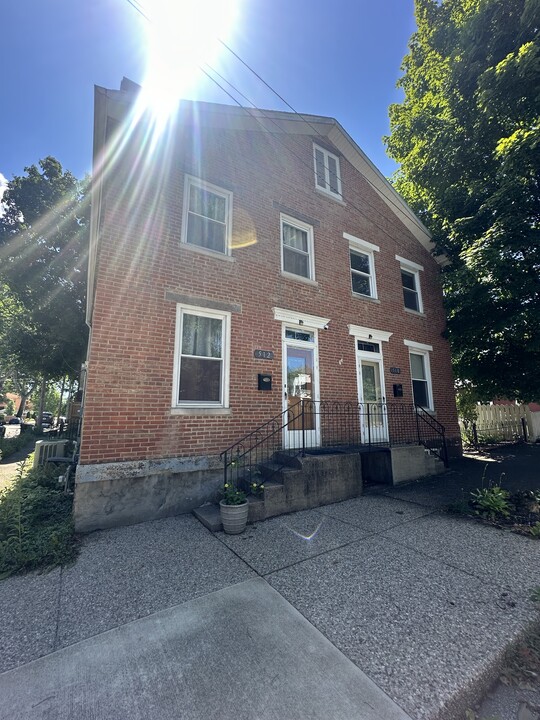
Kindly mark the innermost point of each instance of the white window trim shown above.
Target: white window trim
(414, 269)
(366, 248)
(289, 220)
(189, 181)
(326, 190)
(225, 317)
(424, 350)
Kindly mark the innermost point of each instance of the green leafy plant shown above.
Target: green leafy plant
(256, 488)
(535, 532)
(491, 502)
(36, 526)
(232, 495)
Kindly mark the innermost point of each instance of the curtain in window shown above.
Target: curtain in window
(201, 336)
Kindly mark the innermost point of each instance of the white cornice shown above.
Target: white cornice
(298, 318)
(365, 333)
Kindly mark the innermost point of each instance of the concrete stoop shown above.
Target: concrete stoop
(412, 462)
(294, 483)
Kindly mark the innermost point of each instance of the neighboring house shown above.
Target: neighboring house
(243, 250)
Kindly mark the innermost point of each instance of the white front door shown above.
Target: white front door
(300, 386)
(371, 395)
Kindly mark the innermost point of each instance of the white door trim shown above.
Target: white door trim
(315, 440)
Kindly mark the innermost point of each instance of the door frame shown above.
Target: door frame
(315, 435)
(368, 335)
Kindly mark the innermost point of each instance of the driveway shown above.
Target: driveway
(378, 607)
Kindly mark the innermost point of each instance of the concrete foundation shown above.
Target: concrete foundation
(114, 494)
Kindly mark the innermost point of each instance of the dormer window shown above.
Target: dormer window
(327, 173)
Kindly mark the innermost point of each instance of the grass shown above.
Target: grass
(36, 525)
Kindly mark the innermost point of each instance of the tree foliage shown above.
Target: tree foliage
(43, 241)
(467, 137)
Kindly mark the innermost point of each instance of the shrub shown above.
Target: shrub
(36, 526)
(491, 502)
(9, 446)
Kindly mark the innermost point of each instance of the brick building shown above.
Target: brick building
(239, 250)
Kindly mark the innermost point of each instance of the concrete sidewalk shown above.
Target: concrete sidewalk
(423, 603)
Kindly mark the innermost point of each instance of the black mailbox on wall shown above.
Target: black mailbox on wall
(265, 381)
(398, 390)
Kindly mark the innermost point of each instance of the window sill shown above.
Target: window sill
(330, 196)
(366, 297)
(292, 276)
(208, 253)
(200, 411)
(415, 312)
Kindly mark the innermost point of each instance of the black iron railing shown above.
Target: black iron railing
(323, 426)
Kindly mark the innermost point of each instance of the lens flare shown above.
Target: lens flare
(181, 36)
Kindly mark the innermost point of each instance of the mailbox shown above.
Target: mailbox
(398, 390)
(265, 381)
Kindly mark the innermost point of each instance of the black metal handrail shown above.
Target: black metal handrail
(431, 434)
(308, 424)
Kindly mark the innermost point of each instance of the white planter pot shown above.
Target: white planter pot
(233, 517)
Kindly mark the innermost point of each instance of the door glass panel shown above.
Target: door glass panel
(370, 383)
(300, 373)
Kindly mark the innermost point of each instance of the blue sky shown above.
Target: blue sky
(340, 59)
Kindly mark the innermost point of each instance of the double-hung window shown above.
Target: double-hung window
(410, 282)
(297, 248)
(420, 374)
(207, 216)
(201, 358)
(327, 173)
(362, 263)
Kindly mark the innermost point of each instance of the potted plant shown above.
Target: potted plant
(233, 509)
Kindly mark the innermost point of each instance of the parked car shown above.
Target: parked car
(47, 419)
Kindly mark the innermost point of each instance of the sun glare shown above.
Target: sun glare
(181, 36)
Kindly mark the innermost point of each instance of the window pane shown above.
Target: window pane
(408, 280)
(207, 203)
(332, 167)
(295, 263)
(360, 284)
(201, 336)
(359, 261)
(420, 393)
(206, 233)
(295, 237)
(200, 380)
(368, 347)
(319, 165)
(417, 367)
(410, 299)
(299, 335)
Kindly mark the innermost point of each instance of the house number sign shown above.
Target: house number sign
(395, 371)
(263, 354)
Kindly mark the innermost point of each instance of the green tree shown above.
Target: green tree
(467, 137)
(43, 254)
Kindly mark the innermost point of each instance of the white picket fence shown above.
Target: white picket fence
(507, 422)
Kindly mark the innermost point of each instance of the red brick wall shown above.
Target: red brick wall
(129, 384)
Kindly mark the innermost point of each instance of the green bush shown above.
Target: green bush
(9, 446)
(36, 526)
